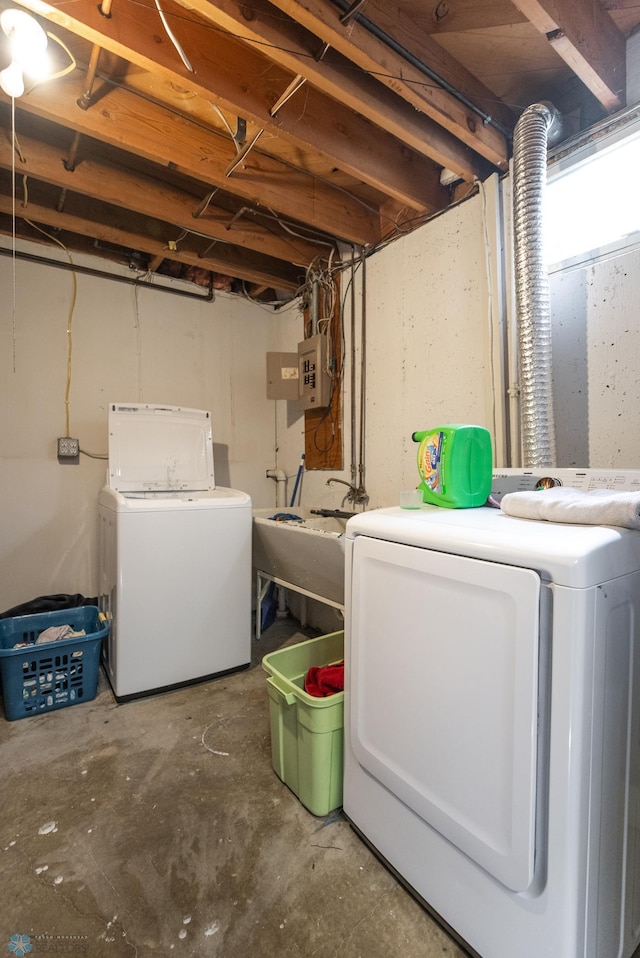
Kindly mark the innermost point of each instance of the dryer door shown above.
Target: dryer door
(443, 659)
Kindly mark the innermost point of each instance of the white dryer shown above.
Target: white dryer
(492, 723)
(174, 554)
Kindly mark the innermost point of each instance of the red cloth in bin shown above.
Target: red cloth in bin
(322, 680)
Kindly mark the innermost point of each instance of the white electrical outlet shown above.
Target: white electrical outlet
(68, 448)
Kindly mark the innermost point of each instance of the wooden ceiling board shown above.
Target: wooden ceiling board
(263, 130)
(519, 61)
(443, 16)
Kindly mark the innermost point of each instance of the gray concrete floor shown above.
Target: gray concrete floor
(158, 827)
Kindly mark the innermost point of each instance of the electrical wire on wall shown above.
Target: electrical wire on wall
(74, 294)
(361, 493)
(490, 305)
(319, 299)
(328, 414)
(319, 281)
(327, 278)
(357, 492)
(138, 342)
(352, 282)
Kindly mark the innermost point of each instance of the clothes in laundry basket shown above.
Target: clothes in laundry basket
(56, 632)
(53, 634)
(322, 680)
(48, 603)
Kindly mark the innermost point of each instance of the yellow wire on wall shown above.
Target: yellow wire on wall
(16, 149)
(69, 320)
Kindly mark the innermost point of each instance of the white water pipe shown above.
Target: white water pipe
(281, 486)
(280, 479)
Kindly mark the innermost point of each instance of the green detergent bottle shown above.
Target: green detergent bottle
(455, 463)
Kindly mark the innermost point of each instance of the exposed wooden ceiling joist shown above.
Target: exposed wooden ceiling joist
(122, 119)
(220, 71)
(588, 40)
(409, 77)
(267, 133)
(111, 228)
(304, 53)
(129, 190)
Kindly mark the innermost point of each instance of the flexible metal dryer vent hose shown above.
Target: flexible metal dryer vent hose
(532, 286)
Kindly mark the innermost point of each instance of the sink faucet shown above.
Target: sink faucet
(355, 495)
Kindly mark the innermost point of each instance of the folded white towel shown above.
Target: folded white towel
(600, 507)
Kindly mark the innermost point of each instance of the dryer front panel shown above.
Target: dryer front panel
(444, 695)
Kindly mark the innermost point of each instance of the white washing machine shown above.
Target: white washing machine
(492, 721)
(175, 554)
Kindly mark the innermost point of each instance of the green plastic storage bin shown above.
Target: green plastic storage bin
(307, 733)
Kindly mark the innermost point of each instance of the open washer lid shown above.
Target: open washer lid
(159, 448)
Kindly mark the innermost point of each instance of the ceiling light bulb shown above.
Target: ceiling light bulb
(24, 32)
(28, 44)
(11, 80)
(36, 65)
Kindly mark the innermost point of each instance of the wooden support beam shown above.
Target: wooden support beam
(287, 43)
(130, 123)
(585, 36)
(221, 64)
(330, 130)
(415, 35)
(132, 191)
(404, 78)
(106, 225)
(155, 262)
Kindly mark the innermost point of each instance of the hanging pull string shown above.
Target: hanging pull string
(13, 230)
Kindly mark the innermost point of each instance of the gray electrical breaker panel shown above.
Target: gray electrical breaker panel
(282, 376)
(314, 380)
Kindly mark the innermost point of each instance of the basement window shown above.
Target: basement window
(592, 206)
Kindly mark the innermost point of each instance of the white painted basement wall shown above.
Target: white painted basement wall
(128, 345)
(435, 346)
(596, 354)
(433, 357)
(428, 343)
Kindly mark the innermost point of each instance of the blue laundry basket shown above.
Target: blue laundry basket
(53, 675)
